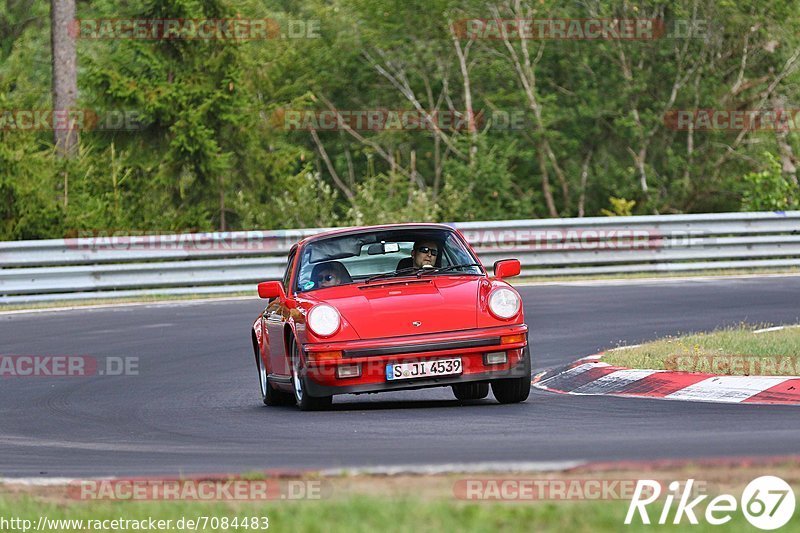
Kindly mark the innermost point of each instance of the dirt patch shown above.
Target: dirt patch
(613, 481)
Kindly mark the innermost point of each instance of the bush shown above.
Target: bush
(769, 190)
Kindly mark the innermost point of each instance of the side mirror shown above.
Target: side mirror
(271, 289)
(507, 268)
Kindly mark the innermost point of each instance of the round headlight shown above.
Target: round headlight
(324, 320)
(504, 303)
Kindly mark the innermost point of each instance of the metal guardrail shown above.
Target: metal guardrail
(102, 265)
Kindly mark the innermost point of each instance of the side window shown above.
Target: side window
(288, 273)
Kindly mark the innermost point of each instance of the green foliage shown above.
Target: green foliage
(620, 207)
(770, 189)
(29, 207)
(487, 189)
(588, 133)
(304, 201)
(187, 92)
(384, 199)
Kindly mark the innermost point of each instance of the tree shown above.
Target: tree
(65, 72)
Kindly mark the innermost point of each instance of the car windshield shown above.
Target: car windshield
(354, 258)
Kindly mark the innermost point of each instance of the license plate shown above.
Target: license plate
(423, 369)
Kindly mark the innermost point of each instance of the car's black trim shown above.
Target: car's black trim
(522, 369)
(423, 347)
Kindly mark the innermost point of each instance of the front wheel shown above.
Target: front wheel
(269, 395)
(471, 391)
(513, 390)
(305, 401)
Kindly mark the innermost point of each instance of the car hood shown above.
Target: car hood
(406, 306)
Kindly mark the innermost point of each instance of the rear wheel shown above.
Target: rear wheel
(512, 390)
(270, 395)
(305, 401)
(471, 391)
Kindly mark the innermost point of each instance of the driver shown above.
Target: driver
(424, 253)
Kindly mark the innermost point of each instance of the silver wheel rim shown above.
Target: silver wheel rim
(262, 378)
(298, 386)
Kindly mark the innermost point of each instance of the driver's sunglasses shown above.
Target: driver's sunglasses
(326, 277)
(425, 250)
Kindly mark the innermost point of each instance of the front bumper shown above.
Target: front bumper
(470, 346)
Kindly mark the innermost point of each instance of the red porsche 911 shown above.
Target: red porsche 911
(396, 307)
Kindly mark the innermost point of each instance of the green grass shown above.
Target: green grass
(732, 351)
(370, 513)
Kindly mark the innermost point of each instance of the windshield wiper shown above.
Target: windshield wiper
(419, 271)
(391, 274)
(445, 269)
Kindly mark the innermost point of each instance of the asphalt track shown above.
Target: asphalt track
(194, 407)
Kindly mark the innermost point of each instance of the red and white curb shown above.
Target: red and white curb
(591, 376)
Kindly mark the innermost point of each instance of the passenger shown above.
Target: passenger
(330, 274)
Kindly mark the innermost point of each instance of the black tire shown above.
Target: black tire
(475, 390)
(270, 395)
(305, 401)
(513, 390)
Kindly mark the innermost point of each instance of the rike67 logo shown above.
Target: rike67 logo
(767, 502)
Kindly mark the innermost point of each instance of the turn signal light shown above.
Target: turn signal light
(512, 339)
(324, 356)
